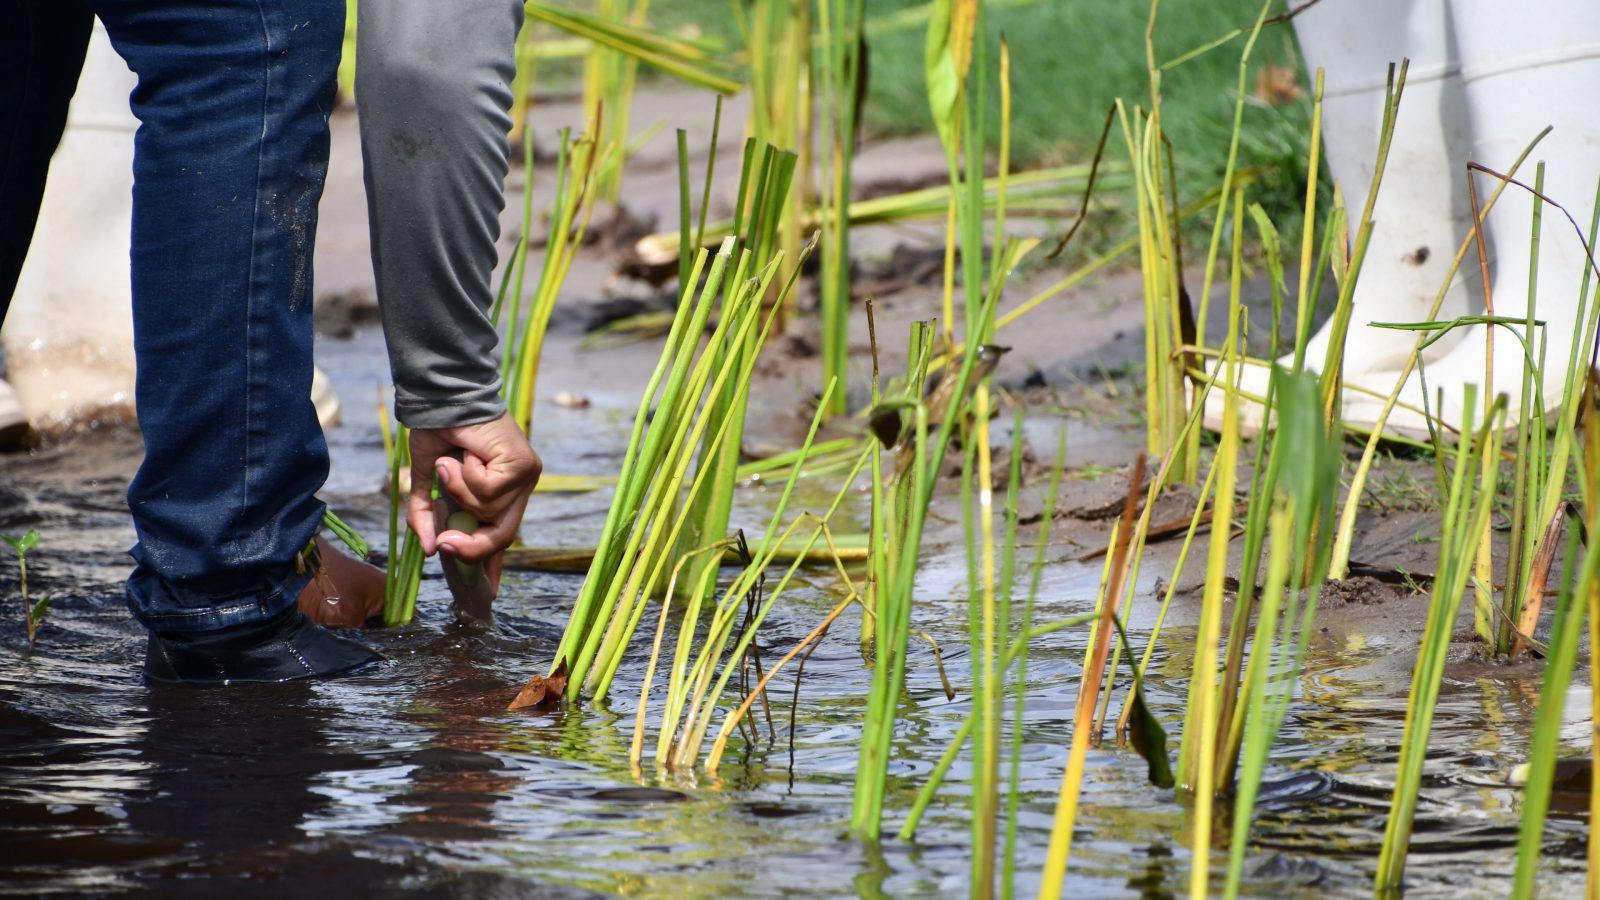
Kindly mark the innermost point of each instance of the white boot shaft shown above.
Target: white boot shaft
(1522, 73)
(69, 334)
(68, 337)
(1422, 208)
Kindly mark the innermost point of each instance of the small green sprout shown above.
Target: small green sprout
(36, 611)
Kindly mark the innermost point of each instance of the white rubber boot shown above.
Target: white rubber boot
(13, 421)
(69, 335)
(1422, 208)
(1522, 70)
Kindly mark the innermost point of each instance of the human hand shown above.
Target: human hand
(492, 480)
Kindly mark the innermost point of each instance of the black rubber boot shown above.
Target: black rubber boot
(286, 648)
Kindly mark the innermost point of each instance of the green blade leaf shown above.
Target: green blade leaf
(1149, 739)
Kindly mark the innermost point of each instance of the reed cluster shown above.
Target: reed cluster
(1272, 501)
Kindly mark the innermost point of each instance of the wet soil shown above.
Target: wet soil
(413, 778)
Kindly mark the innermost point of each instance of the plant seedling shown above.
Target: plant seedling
(35, 611)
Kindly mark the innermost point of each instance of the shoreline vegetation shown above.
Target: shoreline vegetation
(1172, 141)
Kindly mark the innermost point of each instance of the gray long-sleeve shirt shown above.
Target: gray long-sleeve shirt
(433, 91)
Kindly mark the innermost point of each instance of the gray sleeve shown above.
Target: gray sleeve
(433, 90)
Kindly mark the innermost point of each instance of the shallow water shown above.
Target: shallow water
(413, 777)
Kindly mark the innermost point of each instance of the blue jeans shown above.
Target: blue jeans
(233, 100)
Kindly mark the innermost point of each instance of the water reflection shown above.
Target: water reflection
(414, 777)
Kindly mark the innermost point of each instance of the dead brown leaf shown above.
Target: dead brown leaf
(542, 691)
(1278, 85)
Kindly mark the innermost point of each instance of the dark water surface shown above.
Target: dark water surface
(412, 778)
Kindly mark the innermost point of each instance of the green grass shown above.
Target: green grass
(1072, 58)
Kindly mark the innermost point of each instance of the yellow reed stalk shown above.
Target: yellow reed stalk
(1066, 815)
(986, 801)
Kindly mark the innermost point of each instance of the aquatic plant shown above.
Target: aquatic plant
(1172, 322)
(1340, 564)
(694, 687)
(1579, 598)
(693, 402)
(577, 163)
(764, 186)
(346, 534)
(780, 49)
(403, 568)
(900, 500)
(841, 79)
(622, 39)
(33, 613)
(1470, 501)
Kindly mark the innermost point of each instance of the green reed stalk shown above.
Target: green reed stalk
(1588, 482)
(526, 61)
(710, 511)
(1559, 665)
(516, 270)
(1197, 760)
(1333, 365)
(656, 553)
(896, 537)
(403, 570)
(1466, 512)
(1169, 407)
(1263, 488)
(644, 452)
(1308, 230)
(702, 703)
(822, 529)
(900, 504)
(684, 234)
(1036, 193)
(1527, 479)
(687, 685)
(986, 681)
(1137, 542)
(346, 534)
(1588, 318)
(1340, 565)
(684, 60)
(698, 411)
(1301, 542)
(1014, 778)
(942, 768)
(778, 42)
(841, 79)
(651, 543)
(1548, 512)
(953, 26)
(609, 77)
(569, 220)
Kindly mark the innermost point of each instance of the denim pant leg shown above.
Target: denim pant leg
(41, 53)
(233, 99)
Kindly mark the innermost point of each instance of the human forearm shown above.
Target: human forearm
(433, 92)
